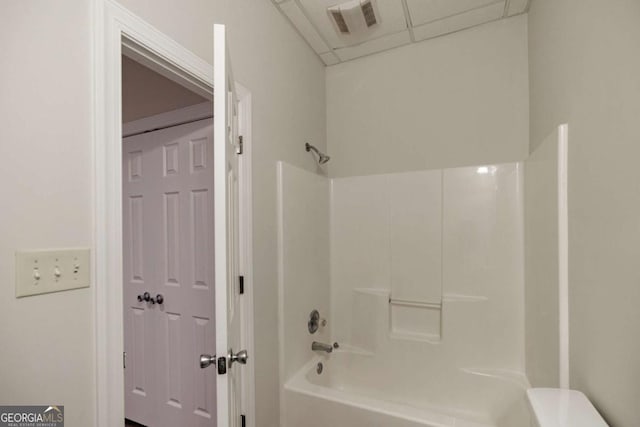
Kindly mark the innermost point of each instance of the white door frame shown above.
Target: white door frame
(117, 31)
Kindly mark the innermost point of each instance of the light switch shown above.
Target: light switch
(41, 272)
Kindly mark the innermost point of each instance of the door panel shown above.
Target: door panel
(179, 224)
(139, 276)
(204, 380)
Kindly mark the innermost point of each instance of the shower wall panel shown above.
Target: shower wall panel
(436, 257)
(483, 256)
(303, 262)
(387, 235)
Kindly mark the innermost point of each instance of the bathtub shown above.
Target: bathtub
(356, 389)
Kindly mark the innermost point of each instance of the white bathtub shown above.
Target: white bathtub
(357, 390)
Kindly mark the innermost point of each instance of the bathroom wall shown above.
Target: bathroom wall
(456, 100)
(450, 238)
(45, 80)
(584, 71)
(303, 254)
(46, 105)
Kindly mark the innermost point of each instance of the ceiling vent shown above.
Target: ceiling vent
(354, 19)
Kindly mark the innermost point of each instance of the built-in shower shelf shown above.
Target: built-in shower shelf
(377, 317)
(415, 320)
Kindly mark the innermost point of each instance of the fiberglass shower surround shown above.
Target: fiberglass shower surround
(420, 276)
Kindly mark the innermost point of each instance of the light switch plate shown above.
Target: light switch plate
(41, 272)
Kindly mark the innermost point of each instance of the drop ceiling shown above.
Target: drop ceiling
(400, 22)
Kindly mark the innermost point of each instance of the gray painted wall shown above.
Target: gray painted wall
(456, 100)
(584, 70)
(46, 105)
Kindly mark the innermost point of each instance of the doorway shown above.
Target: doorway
(118, 32)
(168, 273)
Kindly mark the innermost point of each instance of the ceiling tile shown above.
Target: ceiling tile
(373, 46)
(295, 14)
(424, 11)
(459, 22)
(391, 20)
(329, 58)
(517, 6)
(428, 18)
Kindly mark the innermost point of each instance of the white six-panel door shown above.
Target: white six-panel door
(168, 220)
(168, 250)
(227, 227)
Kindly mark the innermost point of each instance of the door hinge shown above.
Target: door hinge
(241, 282)
(240, 147)
(124, 359)
(222, 365)
(243, 421)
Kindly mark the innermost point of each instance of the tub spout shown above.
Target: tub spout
(318, 346)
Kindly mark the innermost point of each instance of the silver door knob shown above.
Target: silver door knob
(240, 357)
(206, 360)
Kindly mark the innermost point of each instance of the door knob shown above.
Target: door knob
(147, 298)
(240, 357)
(206, 360)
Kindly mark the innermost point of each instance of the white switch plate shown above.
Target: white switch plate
(41, 272)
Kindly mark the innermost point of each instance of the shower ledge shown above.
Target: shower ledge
(463, 298)
(514, 377)
(349, 348)
(373, 291)
(408, 336)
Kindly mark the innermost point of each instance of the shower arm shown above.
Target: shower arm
(310, 147)
(322, 158)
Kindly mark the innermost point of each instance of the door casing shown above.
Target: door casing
(117, 31)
